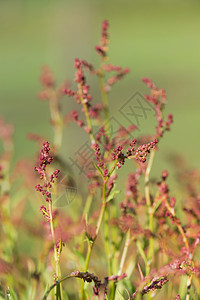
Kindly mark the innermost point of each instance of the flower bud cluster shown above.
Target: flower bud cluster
(143, 150)
(83, 93)
(118, 156)
(74, 115)
(45, 159)
(158, 99)
(110, 184)
(102, 49)
(119, 76)
(168, 202)
(98, 156)
(103, 138)
(94, 111)
(45, 189)
(45, 212)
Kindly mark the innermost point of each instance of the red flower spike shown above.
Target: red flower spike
(45, 159)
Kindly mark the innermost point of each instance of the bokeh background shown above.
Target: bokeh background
(156, 39)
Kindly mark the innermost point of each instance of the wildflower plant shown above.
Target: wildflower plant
(144, 243)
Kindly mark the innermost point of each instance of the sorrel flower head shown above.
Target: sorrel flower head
(45, 189)
(45, 159)
(102, 48)
(158, 99)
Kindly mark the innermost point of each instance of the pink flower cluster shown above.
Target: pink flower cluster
(142, 151)
(98, 156)
(119, 76)
(45, 159)
(118, 156)
(102, 49)
(74, 115)
(158, 99)
(82, 95)
(168, 202)
(83, 91)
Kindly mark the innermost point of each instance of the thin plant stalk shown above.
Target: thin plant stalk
(107, 240)
(185, 240)
(89, 124)
(150, 210)
(122, 262)
(91, 244)
(104, 96)
(54, 241)
(124, 254)
(56, 258)
(55, 284)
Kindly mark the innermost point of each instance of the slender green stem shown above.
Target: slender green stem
(57, 122)
(56, 258)
(88, 122)
(185, 240)
(87, 116)
(124, 254)
(55, 284)
(141, 252)
(147, 173)
(107, 243)
(104, 96)
(107, 240)
(103, 206)
(150, 211)
(171, 210)
(122, 262)
(87, 260)
(90, 245)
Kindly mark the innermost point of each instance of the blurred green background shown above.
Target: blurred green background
(157, 39)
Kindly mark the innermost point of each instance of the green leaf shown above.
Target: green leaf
(120, 295)
(157, 204)
(111, 196)
(10, 294)
(100, 171)
(183, 287)
(141, 251)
